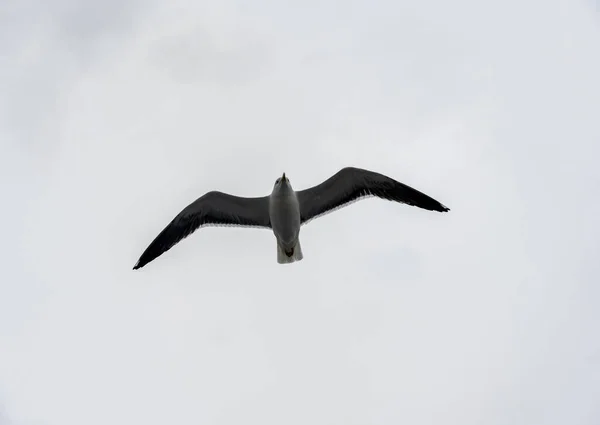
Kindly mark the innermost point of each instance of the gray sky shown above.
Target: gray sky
(117, 114)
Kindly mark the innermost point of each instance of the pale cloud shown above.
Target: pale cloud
(117, 115)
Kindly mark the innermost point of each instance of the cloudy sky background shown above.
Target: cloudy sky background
(114, 115)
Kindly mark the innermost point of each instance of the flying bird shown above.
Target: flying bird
(284, 211)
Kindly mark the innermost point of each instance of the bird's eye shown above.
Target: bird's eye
(277, 181)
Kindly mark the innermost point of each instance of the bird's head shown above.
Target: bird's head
(282, 182)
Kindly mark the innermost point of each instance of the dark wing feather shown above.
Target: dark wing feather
(214, 208)
(351, 184)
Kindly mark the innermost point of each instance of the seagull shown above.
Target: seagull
(284, 211)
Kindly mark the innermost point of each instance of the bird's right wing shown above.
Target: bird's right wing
(351, 184)
(214, 208)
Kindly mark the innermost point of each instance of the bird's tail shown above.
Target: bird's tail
(290, 255)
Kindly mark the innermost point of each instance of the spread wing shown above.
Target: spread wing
(352, 184)
(212, 209)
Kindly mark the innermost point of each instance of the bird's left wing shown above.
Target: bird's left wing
(212, 209)
(351, 184)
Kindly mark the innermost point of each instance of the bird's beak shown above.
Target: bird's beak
(283, 177)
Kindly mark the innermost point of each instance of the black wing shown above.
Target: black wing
(214, 208)
(351, 184)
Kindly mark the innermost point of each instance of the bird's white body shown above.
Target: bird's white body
(284, 213)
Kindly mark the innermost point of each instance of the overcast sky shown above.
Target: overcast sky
(114, 115)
